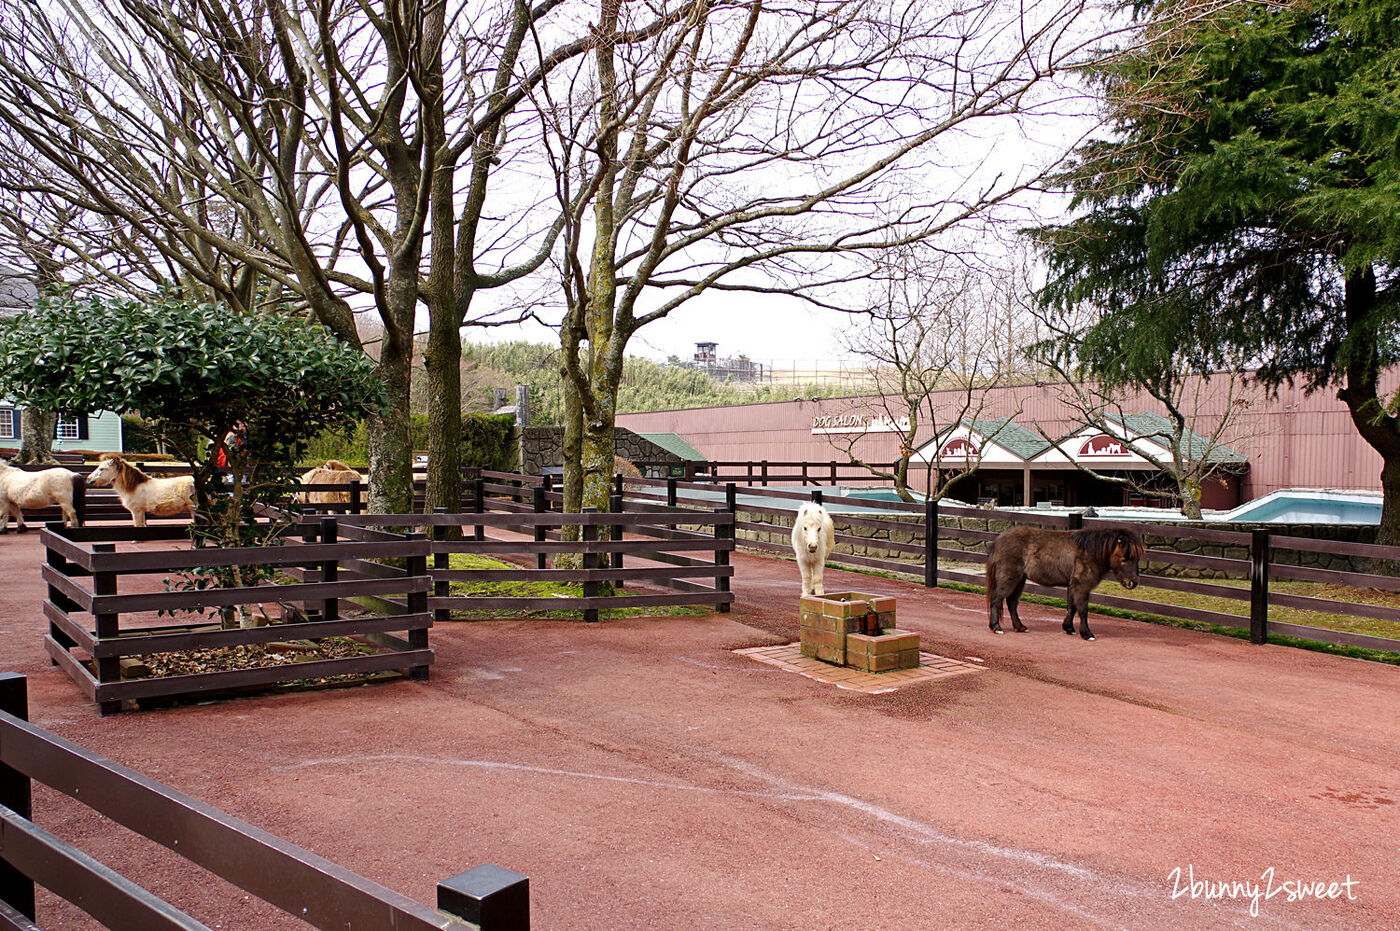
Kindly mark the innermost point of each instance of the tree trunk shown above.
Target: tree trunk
(1388, 533)
(390, 447)
(36, 437)
(442, 360)
(901, 480)
(1190, 500)
(596, 455)
(1361, 395)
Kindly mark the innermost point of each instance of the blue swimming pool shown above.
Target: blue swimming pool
(1310, 507)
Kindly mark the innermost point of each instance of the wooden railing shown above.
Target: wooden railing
(937, 535)
(307, 887)
(763, 472)
(84, 608)
(669, 550)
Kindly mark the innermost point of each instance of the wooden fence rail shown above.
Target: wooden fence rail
(85, 609)
(667, 549)
(936, 535)
(303, 885)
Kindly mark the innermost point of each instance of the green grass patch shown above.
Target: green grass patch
(542, 589)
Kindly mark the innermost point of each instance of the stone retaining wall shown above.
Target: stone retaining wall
(543, 447)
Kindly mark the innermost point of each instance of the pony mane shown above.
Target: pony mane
(1100, 543)
(126, 470)
(335, 465)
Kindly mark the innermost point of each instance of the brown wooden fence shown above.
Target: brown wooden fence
(87, 637)
(677, 551)
(303, 885)
(938, 533)
(764, 472)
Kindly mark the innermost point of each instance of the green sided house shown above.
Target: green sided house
(96, 432)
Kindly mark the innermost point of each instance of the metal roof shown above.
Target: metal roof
(1197, 447)
(674, 444)
(1011, 436)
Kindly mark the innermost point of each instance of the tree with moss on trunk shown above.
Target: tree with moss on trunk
(752, 149)
(333, 158)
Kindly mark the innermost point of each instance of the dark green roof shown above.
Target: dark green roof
(1011, 436)
(1198, 448)
(674, 444)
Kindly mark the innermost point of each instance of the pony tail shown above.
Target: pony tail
(80, 498)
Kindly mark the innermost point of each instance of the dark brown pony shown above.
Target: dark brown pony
(1077, 559)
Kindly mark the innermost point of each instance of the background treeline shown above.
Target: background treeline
(646, 385)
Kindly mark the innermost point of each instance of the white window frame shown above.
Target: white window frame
(68, 428)
(7, 424)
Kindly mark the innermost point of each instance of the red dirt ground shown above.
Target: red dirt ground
(644, 776)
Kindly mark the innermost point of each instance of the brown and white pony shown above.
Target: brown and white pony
(334, 472)
(46, 488)
(142, 494)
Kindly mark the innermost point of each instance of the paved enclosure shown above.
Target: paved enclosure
(645, 775)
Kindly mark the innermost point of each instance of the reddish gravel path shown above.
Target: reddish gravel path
(646, 777)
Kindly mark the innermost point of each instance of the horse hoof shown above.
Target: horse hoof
(1090, 638)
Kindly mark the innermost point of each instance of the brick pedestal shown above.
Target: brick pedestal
(831, 626)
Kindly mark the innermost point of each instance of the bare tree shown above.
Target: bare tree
(275, 155)
(937, 335)
(1186, 447)
(755, 148)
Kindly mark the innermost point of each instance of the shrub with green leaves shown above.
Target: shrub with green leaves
(195, 373)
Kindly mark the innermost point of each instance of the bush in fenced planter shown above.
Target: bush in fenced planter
(205, 380)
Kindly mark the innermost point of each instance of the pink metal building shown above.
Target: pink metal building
(1293, 440)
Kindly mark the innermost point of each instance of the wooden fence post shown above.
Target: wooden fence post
(330, 570)
(479, 504)
(491, 897)
(763, 471)
(589, 535)
(1259, 586)
(833, 473)
(16, 889)
(731, 498)
(931, 542)
(441, 560)
(541, 507)
(107, 627)
(615, 505)
(357, 500)
(57, 598)
(723, 532)
(816, 496)
(1076, 520)
(417, 567)
(670, 492)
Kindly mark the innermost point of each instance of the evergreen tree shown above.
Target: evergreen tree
(1247, 205)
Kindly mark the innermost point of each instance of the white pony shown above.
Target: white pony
(813, 539)
(334, 472)
(140, 493)
(47, 488)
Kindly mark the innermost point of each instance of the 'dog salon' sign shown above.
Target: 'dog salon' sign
(858, 423)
